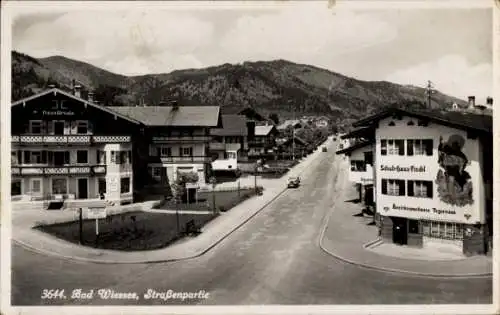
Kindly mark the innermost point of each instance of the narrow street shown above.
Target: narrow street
(273, 259)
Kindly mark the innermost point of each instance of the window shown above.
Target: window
(35, 157)
(413, 226)
(60, 157)
(186, 151)
(101, 185)
(82, 157)
(231, 155)
(101, 157)
(368, 158)
(392, 147)
(59, 186)
(125, 185)
(36, 185)
(443, 230)
(393, 187)
(420, 147)
(155, 171)
(16, 188)
(358, 166)
(14, 158)
(82, 127)
(165, 151)
(422, 189)
(35, 127)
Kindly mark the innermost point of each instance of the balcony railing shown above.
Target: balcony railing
(225, 146)
(180, 159)
(67, 139)
(59, 170)
(182, 139)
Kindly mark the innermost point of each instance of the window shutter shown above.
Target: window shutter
(401, 146)
(384, 186)
(428, 143)
(44, 157)
(98, 157)
(66, 157)
(27, 157)
(429, 190)
(409, 147)
(410, 188)
(401, 184)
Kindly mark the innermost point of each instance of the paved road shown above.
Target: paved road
(273, 259)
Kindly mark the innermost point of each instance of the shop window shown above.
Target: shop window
(393, 187)
(82, 157)
(59, 186)
(442, 230)
(16, 188)
(125, 185)
(422, 189)
(413, 226)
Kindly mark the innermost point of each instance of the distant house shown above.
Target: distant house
(322, 122)
(294, 123)
(263, 142)
(229, 143)
(293, 146)
(251, 114)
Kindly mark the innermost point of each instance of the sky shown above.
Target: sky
(450, 47)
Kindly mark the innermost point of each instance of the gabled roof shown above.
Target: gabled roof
(298, 140)
(291, 122)
(79, 99)
(454, 119)
(365, 132)
(232, 125)
(249, 111)
(263, 130)
(200, 116)
(354, 147)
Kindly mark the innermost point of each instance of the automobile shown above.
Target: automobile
(324, 149)
(293, 182)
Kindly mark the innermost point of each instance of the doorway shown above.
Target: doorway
(399, 231)
(83, 188)
(59, 127)
(191, 195)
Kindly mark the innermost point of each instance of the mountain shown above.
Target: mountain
(278, 86)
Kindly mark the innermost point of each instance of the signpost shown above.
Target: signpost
(96, 213)
(213, 181)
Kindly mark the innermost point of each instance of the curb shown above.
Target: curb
(390, 270)
(200, 253)
(371, 243)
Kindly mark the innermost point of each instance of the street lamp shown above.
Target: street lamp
(213, 181)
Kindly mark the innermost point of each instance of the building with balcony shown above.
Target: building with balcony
(433, 181)
(230, 143)
(175, 139)
(263, 143)
(68, 148)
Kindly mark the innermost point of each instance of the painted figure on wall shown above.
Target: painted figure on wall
(453, 181)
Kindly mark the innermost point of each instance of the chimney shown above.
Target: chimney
(472, 102)
(489, 101)
(90, 97)
(78, 90)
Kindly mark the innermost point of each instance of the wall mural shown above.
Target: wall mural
(453, 181)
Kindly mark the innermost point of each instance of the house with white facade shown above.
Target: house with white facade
(230, 143)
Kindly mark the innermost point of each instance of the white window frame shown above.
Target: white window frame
(129, 185)
(52, 185)
(35, 122)
(82, 122)
(189, 151)
(418, 147)
(442, 230)
(392, 187)
(77, 190)
(39, 179)
(82, 163)
(392, 149)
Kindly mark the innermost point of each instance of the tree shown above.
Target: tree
(274, 117)
(179, 186)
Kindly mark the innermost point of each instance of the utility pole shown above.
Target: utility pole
(429, 90)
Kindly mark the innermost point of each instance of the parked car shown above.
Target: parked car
(293, 182)
(324, 149)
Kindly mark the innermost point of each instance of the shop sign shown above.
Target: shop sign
(400, 169)
(420, 209)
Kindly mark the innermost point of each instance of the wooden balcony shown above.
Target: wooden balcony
(225, 146)
(179, 159)
(58, 170)
(67, 139)
(182, 139)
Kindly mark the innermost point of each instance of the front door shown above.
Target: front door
(400, 231)
(59, 127)
(83, 188)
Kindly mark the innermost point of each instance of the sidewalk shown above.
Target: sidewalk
(350, 239)
(212, 233)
